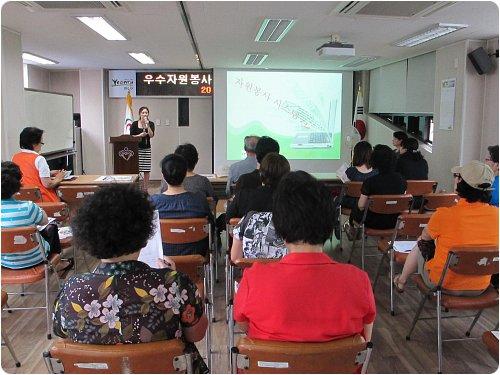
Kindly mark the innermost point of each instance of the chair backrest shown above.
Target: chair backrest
(435, 200)
(249, 262)
(29, 193)
(389, 204)
(192, 266)
(473, 260)
(180, 231)
(353, 189)
(420, 187)
(158, 357)
(20, 239)
(76, 194)
(232, 223)
(57, 210)
(345, 355)
(411, 225)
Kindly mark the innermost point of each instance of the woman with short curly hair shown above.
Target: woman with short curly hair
(124, 300)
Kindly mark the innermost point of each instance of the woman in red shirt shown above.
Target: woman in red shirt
(34, 167)
(306, 296)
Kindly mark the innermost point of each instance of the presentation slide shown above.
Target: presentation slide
(301, 110)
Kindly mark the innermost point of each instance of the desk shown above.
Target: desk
(329, 179)
(90, 179)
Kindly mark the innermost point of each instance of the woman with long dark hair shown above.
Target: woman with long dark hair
(144, 129)
(411, 164)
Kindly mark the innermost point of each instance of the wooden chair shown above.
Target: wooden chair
(349, 189)
(417, 188)
(182, 231)
(5, 338)
(74, 195)
(212, 204)
(408, 227)
(430, 202)
(193, 266)
(379, 204)
(491, 342)
(21, 239)
(29, 193)
(158, 357)
(241, 264)
(342, 356)
(477, 260)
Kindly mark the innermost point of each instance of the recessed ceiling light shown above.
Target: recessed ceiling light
(273, 30)
(38, 59)
(101, 26)
(431, 33)
(255, 58)
(142, 57)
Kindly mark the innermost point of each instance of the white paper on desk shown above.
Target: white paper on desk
(42, 227)
(65, 232)
(103, 178)
(495, 333)
(119, 178)
(404, 246)
(153, 249)
(341, 173)
(210, 176)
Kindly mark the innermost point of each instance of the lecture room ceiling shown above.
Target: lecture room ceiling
(225, 32)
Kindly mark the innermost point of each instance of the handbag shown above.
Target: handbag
(427, 248)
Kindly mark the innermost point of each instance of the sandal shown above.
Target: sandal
(397, 284)
(62, 272)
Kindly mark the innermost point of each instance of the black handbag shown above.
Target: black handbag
(427, 248)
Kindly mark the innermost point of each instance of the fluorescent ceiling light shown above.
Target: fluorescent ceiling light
(273, 30)
(433, 32)
(359, 61)
(38, 59)
(101, 26)
(255, 58)
(142, 57)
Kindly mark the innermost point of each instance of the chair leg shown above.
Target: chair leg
(11, 349)
(208, 337)
(47, 303)
(417, 314)
(473, 323)
(391, 276)
(230, 333)
(362, 248)
(440, 339)
(378, 270)
(22, 290)
(353, 245)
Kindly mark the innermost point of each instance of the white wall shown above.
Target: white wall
(12, 92)
(490, 108)
(95, 136)
(67, 82)
(167, 138)
(38, 78)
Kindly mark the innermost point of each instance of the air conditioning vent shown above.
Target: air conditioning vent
(255, 58)
(70, 4)
(358, 61)
(273, 30)
(395, 9)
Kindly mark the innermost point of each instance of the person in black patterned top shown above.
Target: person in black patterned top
(124, 301)
(144, 129)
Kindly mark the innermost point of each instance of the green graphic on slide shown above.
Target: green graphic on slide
(301, 110)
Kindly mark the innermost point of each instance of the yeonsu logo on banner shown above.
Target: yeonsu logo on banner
(121, 82)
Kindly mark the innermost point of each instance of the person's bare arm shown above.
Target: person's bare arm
(367, 331)
(150, 131)
(236, 249)
(45, 219)
(425, 235)
(53, 182)
(196, 332)
(363, 199)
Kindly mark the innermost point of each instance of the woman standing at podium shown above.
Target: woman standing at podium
(144, 129)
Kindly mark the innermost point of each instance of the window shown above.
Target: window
(25, 76)
(415, 125)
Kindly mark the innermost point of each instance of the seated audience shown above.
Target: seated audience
(193, 182)
(471, 222)
(386, 182)
(306, 296)
(254, 236)
(34, 167)
(397, 140)
(252, 180)
(492, 161)
(246, 165)
(411, 164)
(177, 203)
(26, 213)
(124, 301)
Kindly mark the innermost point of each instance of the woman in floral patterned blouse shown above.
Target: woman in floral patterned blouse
(124, 300)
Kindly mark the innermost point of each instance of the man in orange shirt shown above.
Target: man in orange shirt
(471, 222)
(34, 167)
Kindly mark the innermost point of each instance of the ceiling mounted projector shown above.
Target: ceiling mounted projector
(335, 49)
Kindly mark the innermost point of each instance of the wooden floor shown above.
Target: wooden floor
(391, 353)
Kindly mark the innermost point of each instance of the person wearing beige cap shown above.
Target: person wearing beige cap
(471, 222)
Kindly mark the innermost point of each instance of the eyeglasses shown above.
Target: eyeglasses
(42, 143)
(457, 175)
(487, 159)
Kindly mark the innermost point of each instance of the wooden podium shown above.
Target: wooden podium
(125, 154)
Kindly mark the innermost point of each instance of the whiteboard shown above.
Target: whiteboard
(53, 113)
